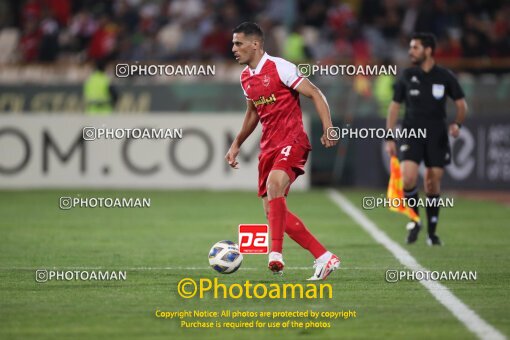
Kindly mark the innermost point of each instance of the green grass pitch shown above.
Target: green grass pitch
(177, 231)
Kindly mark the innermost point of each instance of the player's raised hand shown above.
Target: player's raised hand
(231, 156)
(454, 130)
(329, 138)
(327, 142)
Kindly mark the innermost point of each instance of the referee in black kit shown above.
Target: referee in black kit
(424, 88)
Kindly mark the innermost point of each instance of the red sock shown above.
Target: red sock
(299, 233)
(277, 216)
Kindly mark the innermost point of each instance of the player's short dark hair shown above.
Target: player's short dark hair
(249, 28)
(426, 39)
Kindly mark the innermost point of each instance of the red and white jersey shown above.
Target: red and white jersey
(271, 87)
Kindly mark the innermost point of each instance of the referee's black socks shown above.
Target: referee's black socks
(432, 208)
(413, 193)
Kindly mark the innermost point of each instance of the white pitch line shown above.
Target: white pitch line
(441, 293)
(163, 268)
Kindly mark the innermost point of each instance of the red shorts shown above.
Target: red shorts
(291, 159)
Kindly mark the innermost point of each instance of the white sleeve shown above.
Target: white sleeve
(242, 87)
(288, 73)
(244, 92)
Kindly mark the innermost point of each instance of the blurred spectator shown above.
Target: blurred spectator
(98, 93)
(500, 33)
(31, 11)
(283, 12)
(61, 10)
(127, 16)
(148, 22)
(410, 17)
(383, 89)
(271, 44)
(294, 47)
(186, 10)
(49, 47)
(448, 48)
(340, 16)
(315, 14)
(474, 40)
(103, 43)
(390, 19)
(82, 27)
(230, 15)
(189, 46)
(331, 29)
(30, 42)
(216, 44)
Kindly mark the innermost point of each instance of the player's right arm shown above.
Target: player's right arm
(399, 92)
(391, 121)
(251, 119)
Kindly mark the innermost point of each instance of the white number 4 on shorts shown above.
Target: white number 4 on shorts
(286, 150)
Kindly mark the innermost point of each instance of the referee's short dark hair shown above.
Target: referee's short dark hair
(249, 28)
(427, 39)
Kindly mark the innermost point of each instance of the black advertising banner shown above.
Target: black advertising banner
(480, 156)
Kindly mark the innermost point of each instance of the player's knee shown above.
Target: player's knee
(409, 182)
(274, 189)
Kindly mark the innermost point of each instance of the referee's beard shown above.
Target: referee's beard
(418, 61)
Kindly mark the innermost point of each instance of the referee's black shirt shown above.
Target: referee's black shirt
(425, 93)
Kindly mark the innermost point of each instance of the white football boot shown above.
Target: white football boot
(324, 267)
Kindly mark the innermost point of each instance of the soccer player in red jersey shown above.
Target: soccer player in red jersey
(272, 87)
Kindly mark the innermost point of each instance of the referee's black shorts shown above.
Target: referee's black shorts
(434, 150)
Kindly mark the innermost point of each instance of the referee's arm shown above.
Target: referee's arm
(461, 106)
(391, 121)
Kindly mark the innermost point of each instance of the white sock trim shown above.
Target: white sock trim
(325, 256)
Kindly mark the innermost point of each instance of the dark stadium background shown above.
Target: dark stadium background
(49, 47)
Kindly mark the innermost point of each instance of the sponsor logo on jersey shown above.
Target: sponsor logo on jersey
(263, 100)
(266, 80)
(438, 91)
(414, 92)
(414, 79)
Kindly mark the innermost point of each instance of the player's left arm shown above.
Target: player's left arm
(307, 89)
(456, 93)
(461, 106)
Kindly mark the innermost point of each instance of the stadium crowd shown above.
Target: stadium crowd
(170, 30)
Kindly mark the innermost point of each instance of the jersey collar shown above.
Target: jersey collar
(261, 63)
(430, 71)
